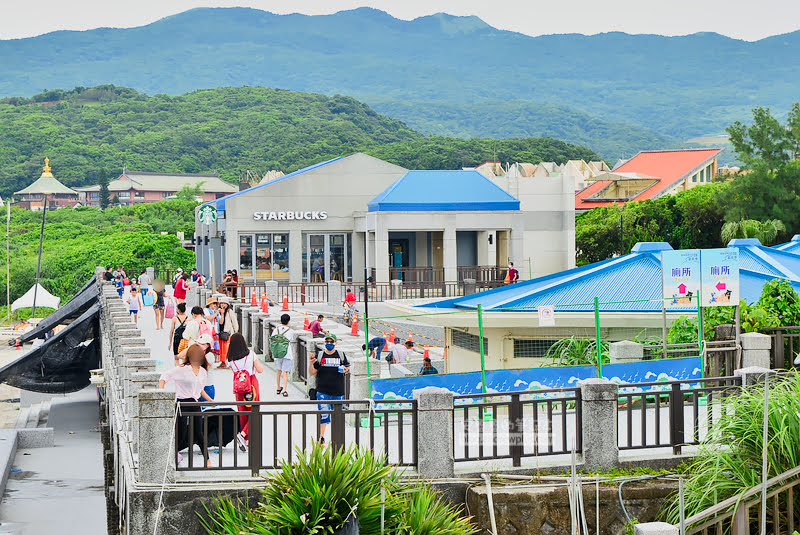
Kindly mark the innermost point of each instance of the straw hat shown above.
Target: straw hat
(211, 300)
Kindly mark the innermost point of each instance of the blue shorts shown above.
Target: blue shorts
(326, 417)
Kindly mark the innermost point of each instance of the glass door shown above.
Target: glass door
(336, 252)
(317, 258)
(246, 270)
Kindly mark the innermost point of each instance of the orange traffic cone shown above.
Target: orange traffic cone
(253, 302)
(265, 305)
(391, 335)
(410, 338)
(285, 303)
(306, 326)
(354, 329)
(426, 355)
(18, 345)
(386, 345)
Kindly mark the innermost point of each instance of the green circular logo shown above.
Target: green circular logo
(207, 214)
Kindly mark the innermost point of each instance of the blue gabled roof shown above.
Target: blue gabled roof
(220, 203)
(629, 283)
(792, 246)
(428, 191)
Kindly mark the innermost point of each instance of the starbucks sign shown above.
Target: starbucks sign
(207, 214)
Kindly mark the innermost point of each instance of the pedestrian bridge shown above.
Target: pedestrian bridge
(152, 488)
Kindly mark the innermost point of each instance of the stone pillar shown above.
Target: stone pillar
(756, 350)
(245, 324)
(147, 378)
(655, 528)
(469, 286)
(359, 379)
(450, 254)
(483, 248)
(156, 436)
(753, 375)
(267, 326)
(357, 259)
(256, 333)
(396, 289)
(381, 250)
(296, 255)
(625, 351)
(435, 432)
(151, 272)
(271, 287)
(599, 412)
(335, 296)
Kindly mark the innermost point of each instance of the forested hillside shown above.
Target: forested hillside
(440, 74)
(230, 130)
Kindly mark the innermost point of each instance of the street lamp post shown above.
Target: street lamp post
(39, 262)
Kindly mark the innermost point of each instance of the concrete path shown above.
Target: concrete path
(60, 489)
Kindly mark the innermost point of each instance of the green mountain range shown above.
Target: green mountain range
(230, 130)
(439, 74)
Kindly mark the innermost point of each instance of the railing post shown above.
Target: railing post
(740, 523)
(600, 426)
(156, 436)
(779, 351)
(515, 430)
(434, 432)
(755, 351)
(676, 423)
(338, 426)
(255, 436)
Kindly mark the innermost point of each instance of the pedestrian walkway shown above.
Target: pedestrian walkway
(60, 489)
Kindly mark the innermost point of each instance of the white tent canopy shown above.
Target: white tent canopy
(43, 299)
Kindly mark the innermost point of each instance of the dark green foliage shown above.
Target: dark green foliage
(78, 240)
(690, 219)
(440, 74)
(102, 180)
(769, 187)
(230, 130)
(316, 493)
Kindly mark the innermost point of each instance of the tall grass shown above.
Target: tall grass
(316, 494)
(729, 459)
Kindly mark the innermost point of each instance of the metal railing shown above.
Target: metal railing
(785, 345)
(670, 413)
(279, 429)
(741, 514)
(516, 424)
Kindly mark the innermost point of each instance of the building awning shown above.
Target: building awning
(434, 191)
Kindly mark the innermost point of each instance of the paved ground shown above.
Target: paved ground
(56, 486)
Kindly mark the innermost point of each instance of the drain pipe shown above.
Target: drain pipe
(491, 501)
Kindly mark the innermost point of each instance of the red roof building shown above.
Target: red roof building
(649, 175)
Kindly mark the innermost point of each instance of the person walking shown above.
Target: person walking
(176, 332)
(375, 346)
(512, 275)
(349, 306)
(135, 304)
(245, 365)
(329, 369)
(190, 381)
(181, 287)
(159, 305)
(280, 346)
(144, 282)
(228, 326)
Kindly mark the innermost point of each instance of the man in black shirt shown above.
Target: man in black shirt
(329, 369)
(108, 275)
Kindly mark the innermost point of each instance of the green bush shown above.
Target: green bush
(574, 351)
(315, 494)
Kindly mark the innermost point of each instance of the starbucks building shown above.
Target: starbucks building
(330, 220)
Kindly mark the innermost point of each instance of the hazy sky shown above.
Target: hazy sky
(743, 19)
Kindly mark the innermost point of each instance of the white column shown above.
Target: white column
(516, 250)
(381, 251)
(483, 248)
(421, 246)
(296, 255)
(358, 256)
(450, 254)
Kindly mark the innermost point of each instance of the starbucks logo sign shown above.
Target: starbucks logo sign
(207, 214)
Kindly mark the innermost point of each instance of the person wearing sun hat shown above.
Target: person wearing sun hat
(329, 368)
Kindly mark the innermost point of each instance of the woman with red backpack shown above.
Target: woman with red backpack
(245, 365)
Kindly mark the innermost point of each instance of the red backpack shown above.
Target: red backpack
(205, 328)
(242, 384)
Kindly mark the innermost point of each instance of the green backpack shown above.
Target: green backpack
(278, 346)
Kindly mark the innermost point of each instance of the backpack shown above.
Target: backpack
(242, 384)
(278, 345)
(178, 336)
(205, 328)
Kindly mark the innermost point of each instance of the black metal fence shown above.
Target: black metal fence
(516, 425)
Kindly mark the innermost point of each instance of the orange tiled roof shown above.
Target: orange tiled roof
(669, 166)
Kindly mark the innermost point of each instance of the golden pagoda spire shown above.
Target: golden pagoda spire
(46, 169)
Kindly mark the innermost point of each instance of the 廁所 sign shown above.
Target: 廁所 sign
(207, 214)
(711, 275)
(680, 276)
(720, 277)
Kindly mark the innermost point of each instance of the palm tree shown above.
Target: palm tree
(765, 231)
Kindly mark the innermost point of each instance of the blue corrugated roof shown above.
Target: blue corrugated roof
(792, 246)
(424, 191)
(630, 283)
(220, 203)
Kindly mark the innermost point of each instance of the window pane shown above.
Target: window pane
(337, 257)
(246, 255)
(263, 256)
(317, 254)
(280, 256)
